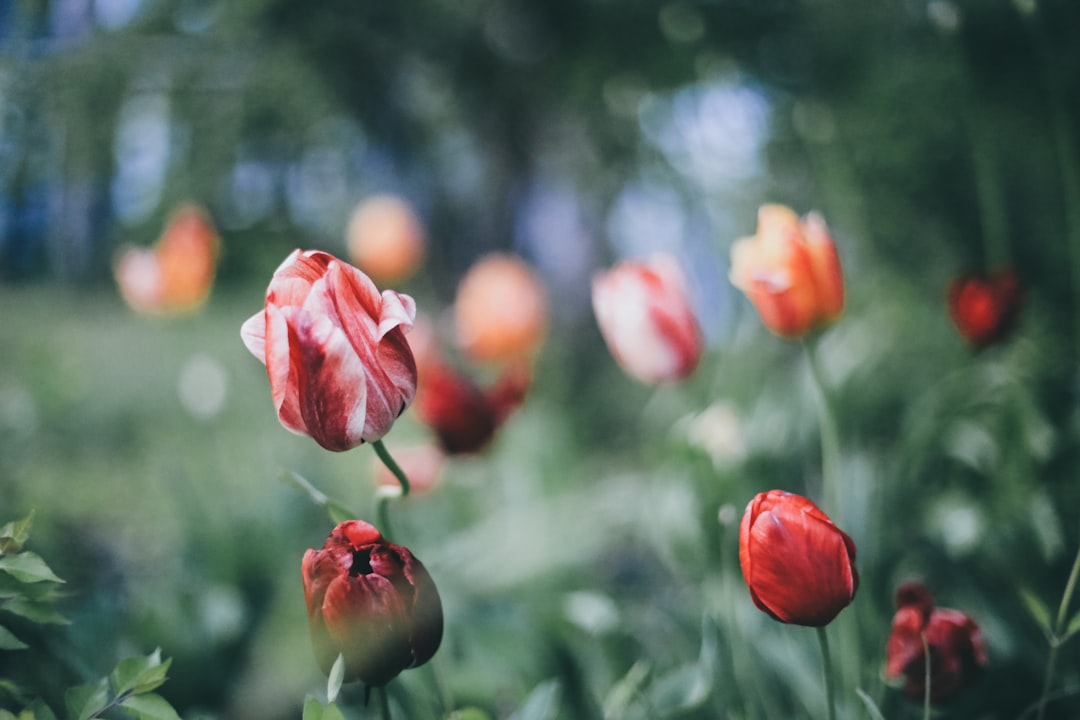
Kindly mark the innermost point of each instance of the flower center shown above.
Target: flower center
(361, 563)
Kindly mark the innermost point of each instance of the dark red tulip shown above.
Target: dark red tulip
(463, 415)
(371, 601)
(799, 566)
(984, 310)
(957, 650)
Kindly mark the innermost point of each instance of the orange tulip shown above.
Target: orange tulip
(790, 271)
(175, 276)
(385, 239)
(501, 310)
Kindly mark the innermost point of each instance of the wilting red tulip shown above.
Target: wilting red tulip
(646, 319)
(984, 310)
(174, 276)
(385, 238)
(463, 415)
(957, 650)
(371, 601)
(340, 367)
(501, 310)
(799, 566)
(790, 271)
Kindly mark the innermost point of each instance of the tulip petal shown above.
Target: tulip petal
(375, 652)
(280, 368)
(331, 382)
(253, 333)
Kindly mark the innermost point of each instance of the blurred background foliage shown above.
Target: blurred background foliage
(587, 560)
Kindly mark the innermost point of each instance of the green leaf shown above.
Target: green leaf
(38, 612)
(1072, 628)
(8, 641)
(624, 691)
(542, 703)
(871, 706)
(469, 713)
(27, 567)
(40, 711)
(15, 534)
(313, 709)
(1039, 612)
(139, 674)
(337, 675)
(84, 701)
(337, 512)
(149, 707)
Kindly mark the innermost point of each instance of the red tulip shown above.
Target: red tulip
(799, 566)
(957, 650)
(984, 310)
(371, 601)
(463, 415)
(790, 271)
(646, 319)
(340, 368)
(176, 275)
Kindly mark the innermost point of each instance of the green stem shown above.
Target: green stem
(384, 703)
(926, 677)
(1059, 628)
(830, 437)
(388, 461)
(826, 671)
(382, 509)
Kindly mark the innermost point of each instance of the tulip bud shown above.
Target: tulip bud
(340, 368)
(957, 650)
(984, 310)
(646, 320)
(464, 415)
(799, 566)
(790, 271)
(371, 601)
(500, 311)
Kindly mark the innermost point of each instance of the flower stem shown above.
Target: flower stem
(1059, 628)
(388, 461)
(926, 677)
(830, 437)
(826, 671)
(384, 703)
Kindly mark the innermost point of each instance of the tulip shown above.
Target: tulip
(340, 368)
(984, 310)
(175, 276)
(463, 415)
(957, 650)
(646, 320)
(385, 238)
(790, 271)
(799, 566)
(372, 602)
(500, 311)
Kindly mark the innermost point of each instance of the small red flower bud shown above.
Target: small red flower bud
(957, 650)
(799, 566)
(984, 310)
(371, 601)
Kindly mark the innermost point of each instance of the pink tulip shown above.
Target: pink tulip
(645, 318)
(340, 368)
